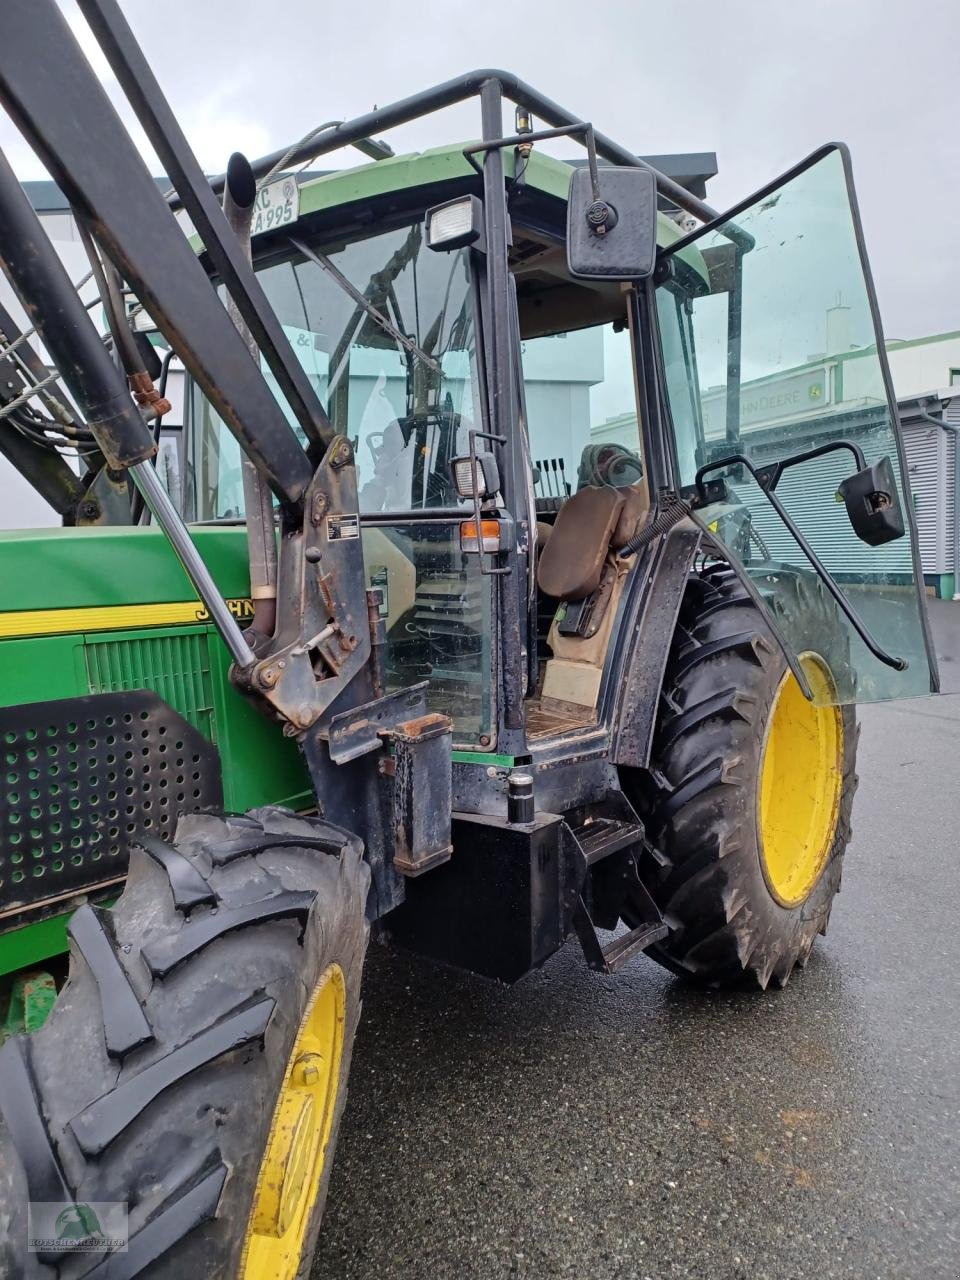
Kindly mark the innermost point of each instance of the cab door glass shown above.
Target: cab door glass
(581, 411)
(771, 348)
(439, 615)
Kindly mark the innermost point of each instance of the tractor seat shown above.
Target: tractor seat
(544, 531)
(593, 522)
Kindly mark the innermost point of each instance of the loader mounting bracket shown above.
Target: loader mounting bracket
(322, 639)
(361, 729)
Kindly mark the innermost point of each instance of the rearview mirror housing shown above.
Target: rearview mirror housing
(615, 237)
(873, 503)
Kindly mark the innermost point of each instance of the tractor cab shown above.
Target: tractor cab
(388, 322)
(514, 601)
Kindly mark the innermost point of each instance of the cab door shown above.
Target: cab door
(787, 441)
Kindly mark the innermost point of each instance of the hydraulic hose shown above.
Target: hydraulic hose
(47, 294)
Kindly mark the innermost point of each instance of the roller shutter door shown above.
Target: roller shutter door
(809, 494)
(927, 459)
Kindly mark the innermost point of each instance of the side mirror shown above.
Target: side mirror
(613, 237)
(873, 503)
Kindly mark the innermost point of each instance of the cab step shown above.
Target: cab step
(604, 827)
(610, 837)
(613, 956)
(599, 838)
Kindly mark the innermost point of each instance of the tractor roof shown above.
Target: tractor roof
(440, 164)
(349, 203)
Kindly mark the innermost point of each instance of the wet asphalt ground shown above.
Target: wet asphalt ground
(629, 1127)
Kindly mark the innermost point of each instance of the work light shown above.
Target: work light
(455, 224)
(477, 476)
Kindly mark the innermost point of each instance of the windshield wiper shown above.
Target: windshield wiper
(322, 261)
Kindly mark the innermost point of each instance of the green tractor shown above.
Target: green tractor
(516, 574)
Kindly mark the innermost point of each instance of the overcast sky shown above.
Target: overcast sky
(761, 82)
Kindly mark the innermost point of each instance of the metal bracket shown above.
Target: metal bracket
(422, 794)
(353, 733)
(474, 436)
(322, 640)
(573, 130)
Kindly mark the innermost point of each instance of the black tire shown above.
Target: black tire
(207, 960)
(700, 798)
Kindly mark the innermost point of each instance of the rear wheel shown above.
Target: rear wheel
(751, 790)
(195, 1064)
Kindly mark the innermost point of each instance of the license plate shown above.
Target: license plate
(278, 204)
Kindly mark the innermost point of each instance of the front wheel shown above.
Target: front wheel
(194, 1066)
(751, 788)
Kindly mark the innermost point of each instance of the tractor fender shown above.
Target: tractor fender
(639, 654)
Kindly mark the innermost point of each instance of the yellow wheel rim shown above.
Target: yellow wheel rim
(292, 1167)
(801, 780)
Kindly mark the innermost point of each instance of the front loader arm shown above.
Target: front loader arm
(321, 641)
(51, 92)
(232, 265)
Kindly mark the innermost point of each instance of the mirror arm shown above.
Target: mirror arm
(542, 135)
(734, 459)
(778, 468)
(769, 477)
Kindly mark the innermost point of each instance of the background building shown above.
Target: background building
(930, 425)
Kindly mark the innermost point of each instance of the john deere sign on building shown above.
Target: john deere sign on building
(768, 399)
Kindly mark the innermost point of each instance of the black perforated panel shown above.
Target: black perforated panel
(81, 778)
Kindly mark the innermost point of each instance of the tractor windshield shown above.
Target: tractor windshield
(385, 331)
